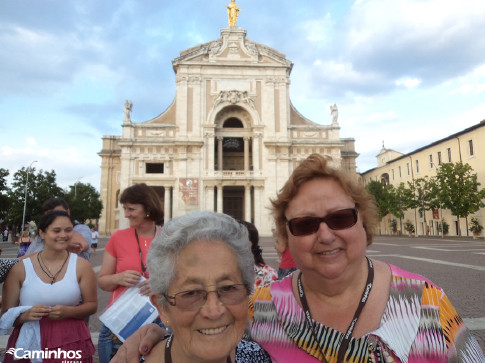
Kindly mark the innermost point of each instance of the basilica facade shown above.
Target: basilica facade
(227, 143)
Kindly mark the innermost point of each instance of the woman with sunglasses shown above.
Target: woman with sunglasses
(341, 306)
(202, 271)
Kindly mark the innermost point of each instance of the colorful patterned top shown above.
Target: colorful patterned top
(265, 275)
(419, 324)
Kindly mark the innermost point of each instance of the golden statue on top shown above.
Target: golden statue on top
(232, 12)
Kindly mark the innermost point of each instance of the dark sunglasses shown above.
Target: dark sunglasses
(341, 219)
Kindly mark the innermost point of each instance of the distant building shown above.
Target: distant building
(228, 141)
(467, 146)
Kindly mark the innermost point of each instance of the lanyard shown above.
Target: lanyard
(168, 351)
(345, 342)
(143, 267)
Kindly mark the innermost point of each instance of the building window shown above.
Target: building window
(470, 148)
(431, 161)
(399, 170)
(417, 166)
(407, 165)
(154, 168)
(385, 178)
(449, 154)
(439, 157)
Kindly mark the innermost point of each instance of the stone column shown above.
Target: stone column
(166, 204)
(209, 198)
(246, 153)
(247, 202)
(210, 152)
(219, 152)
(219, 198)
(257, 205)
(256, 152)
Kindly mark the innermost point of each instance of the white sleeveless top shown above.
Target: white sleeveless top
(34, 291)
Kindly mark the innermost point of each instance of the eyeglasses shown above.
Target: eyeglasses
(341, 219)
(195, 299)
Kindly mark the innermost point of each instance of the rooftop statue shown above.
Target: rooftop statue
(128, 107)
(232, 13)
(334, 112)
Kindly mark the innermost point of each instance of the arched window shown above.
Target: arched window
(385, 178)
(233, 123)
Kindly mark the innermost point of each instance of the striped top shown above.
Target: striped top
(419, 324)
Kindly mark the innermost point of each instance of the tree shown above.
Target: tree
(400, 200)
(459, 190)
(425, 192)
(41, 187)
(381, 194)
(4, 200)
(84, 202)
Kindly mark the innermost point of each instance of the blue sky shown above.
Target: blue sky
(402, 72)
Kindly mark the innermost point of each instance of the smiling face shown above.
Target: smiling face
(331, 254)
(212, 332)
(135, 213)
(58, 234)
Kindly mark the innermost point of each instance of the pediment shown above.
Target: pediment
(232, 47)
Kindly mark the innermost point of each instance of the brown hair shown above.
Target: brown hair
(147, 197)
(313, 167)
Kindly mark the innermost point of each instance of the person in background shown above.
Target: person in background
(201, 275)
(124, 259)
(94, 237)
(81, 238)
(342, 306)
(24, 242)
(287, 264)
(265, 274)
(42, 292)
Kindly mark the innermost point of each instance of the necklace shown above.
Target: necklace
(345, 341)
(168, 351)
(49, 274)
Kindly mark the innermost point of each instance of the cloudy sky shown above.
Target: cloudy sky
(402, 72)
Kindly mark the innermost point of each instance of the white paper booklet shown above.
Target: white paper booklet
(129, 312)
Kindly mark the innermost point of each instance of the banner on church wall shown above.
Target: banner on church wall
(189, 192)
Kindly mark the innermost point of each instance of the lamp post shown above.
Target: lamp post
(25, 193)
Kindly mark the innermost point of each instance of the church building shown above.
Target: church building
(228, 141)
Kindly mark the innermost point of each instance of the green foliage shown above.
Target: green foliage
(4, 200)
(459, 189)
(84, 202)
(393, 225)
(446, 227)
(41, 186)
(83, 199)
(475, 226)
(408, 226)
(381, 196)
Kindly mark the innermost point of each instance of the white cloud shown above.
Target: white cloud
(408, 82)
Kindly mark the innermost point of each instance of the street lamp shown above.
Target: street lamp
(25, 196)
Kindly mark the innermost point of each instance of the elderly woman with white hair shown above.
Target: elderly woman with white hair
(201, 274)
